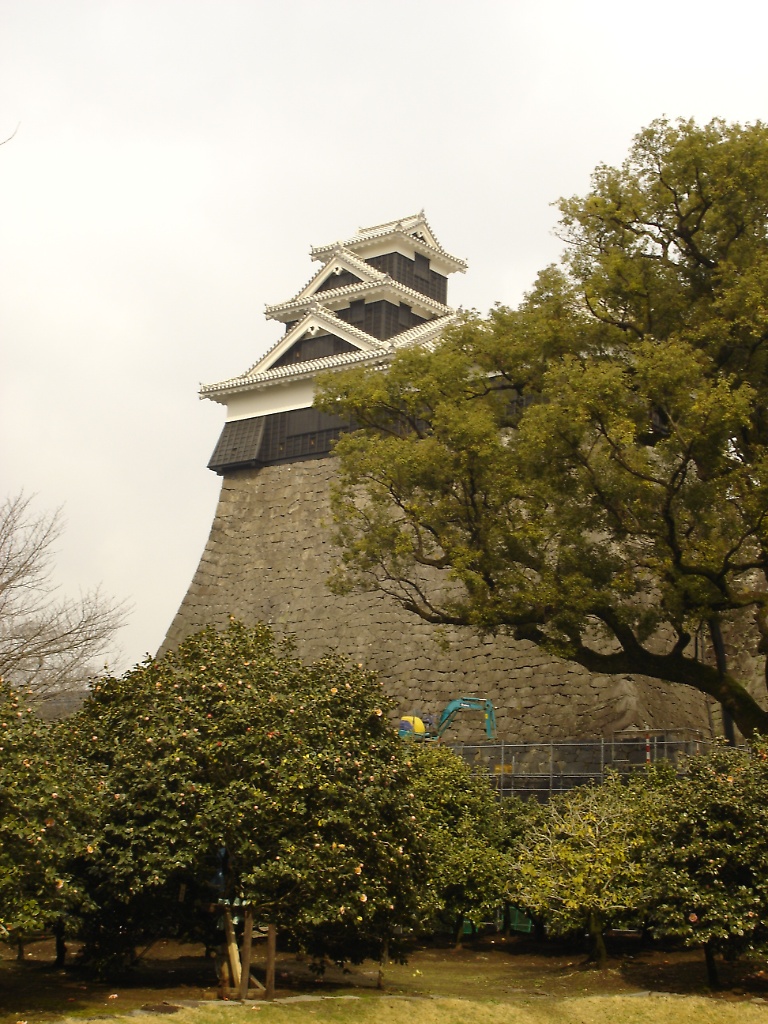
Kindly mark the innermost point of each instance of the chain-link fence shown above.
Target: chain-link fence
(539, 770)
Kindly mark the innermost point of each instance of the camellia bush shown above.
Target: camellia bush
(229, 769)
(582, 865)
(40, 812)
(465, 830)
(711, 861)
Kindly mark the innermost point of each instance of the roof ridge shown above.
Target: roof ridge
(428, 327)
(391, 223)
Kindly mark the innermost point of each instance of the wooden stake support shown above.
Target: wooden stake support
(232, 951)
(245, 954)
(269, 991)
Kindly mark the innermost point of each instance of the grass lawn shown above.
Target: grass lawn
(493, 983)
(622, 1009)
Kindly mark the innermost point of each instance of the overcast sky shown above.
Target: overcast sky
(175, 160)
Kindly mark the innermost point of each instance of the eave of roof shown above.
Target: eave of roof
(292, 372)
(376, 351)
(330, 321)
(317, 316)
(426, 333)
(284, 310)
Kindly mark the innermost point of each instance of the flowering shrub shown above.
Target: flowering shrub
(290, 772)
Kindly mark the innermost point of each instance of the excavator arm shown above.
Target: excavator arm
(469, 704)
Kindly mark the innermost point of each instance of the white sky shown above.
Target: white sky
(176, 159)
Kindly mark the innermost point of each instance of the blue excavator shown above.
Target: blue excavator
(423, 729)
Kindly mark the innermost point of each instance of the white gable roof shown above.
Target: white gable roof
(341, 259)
(413, 232)
(317, 319)
(309, 368)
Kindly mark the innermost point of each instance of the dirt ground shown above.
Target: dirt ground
(493, 969)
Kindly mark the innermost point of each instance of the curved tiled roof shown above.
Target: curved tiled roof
(370, 346)
(424, 334)
(333, 322)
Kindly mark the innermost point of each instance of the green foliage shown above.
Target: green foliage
(464, 829)
(582, 866)
(39, 819)
(711, 871)
(231, 742)
(590, 470)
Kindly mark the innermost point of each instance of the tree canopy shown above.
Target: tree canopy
(582, 863)
(589, 470)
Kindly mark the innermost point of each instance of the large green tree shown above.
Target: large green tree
(590, 471)
(232, 744)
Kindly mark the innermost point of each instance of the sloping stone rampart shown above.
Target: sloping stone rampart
(267, 559)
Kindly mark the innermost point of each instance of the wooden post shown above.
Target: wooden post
(245, 954)
(234, 956)
(269, 992)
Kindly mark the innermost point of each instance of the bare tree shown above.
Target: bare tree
(11, 135)
(48, 644)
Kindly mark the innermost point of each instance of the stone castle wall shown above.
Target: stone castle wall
(267, 559)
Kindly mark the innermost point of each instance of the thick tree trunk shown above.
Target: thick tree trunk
(383, 961)
(721, 660)
(598, 953)
(674, 667)
(459, 931)
(713, 979)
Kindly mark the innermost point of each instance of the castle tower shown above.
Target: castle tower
(269, 552)
(383, 289)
